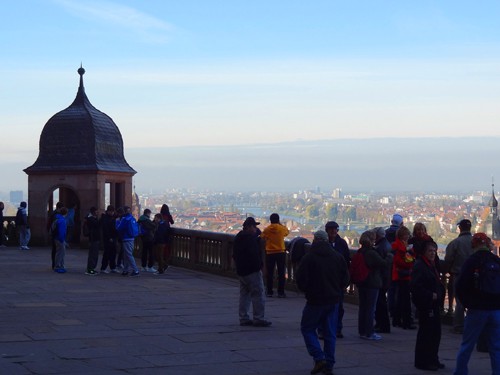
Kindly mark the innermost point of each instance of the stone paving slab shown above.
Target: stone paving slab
(184, 322)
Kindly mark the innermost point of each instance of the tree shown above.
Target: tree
(332, 211)
(312, 211)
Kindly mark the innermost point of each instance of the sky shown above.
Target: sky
(219, 74)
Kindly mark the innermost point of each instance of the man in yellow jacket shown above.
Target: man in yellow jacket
(274, 235)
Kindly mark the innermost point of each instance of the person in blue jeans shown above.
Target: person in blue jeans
(482, 302)
(128, 229)
(322, 275)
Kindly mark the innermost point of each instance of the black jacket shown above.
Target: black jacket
(247, 253)
(94, 228)
(341, 246)
(424, 282)
(322, 274)
(108, 226)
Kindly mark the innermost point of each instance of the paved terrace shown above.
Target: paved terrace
(184, 322)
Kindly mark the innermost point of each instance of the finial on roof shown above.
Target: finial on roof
(81, 71)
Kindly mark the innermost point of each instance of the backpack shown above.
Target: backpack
(358, 269)
(488, 274)
(297, 249)
(86, 229)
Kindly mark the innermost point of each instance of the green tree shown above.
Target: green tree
(312, 211)
(331, 211)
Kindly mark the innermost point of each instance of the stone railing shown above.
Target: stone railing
(212, 252)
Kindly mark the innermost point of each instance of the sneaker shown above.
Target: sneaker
(158, 273)
(152, 269)
(114, 270)
(261, 323)
(373, 337)
(90, 272)
(125, 273)
(319, 366)
(105, 271)
(144, 269)
(282, 295)
(2, 245)
(59, 270)
(246, 322)
(134, 274)
(269, 295)
(26, 248)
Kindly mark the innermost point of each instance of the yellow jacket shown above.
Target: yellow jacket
(274, 235)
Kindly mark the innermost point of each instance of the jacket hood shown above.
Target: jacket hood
(274, 228)
(322, 248)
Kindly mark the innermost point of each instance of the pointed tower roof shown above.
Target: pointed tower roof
(493, 201)
(80, 138)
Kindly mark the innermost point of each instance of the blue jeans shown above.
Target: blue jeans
(60, 254)
(477, 321)
(251, 293)
(23, 235)
(128, 257)
(326, 318)
(366, 313)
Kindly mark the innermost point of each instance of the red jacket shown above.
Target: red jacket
(402, 262)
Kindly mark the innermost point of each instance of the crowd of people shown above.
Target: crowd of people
(115, 231)
(397, 273)
(399, 280)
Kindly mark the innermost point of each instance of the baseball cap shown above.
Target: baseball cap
(397, 219)
(250, 221)
(331, 224)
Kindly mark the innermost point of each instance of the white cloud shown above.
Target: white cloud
(119, 15)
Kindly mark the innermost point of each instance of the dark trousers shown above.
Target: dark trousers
(428, 338)
(93, 255)
(53, 253)
(278, 260)
(109, 255)
(402, 313)
(382, 312)
(147, 256)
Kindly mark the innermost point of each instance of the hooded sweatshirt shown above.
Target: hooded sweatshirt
(322, 274)
(274, 235)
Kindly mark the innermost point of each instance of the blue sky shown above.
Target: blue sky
(201, 72)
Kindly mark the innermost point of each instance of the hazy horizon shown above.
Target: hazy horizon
(443, 165)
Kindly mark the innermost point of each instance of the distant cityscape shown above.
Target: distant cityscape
(306, 211)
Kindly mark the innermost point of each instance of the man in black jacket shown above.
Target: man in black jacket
(322, 276)
(247, 257)
(94, 233)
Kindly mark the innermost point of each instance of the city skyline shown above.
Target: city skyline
(220, 76)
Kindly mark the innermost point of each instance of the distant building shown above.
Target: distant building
(337, 193)
(16, 196)
(493, 223)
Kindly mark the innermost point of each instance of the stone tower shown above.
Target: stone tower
(80, 157)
